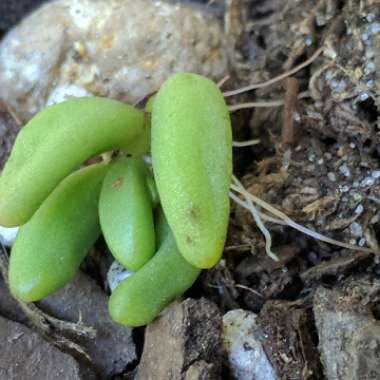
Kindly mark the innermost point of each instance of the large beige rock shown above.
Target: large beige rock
(122, 49)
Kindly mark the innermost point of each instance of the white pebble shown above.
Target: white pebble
(359, 210)
(345, 170)
(368, 181)
(356, 229)
(365, 37)
(116, 274)
(8, 235)
(331, 176)
(374, 28)
(371, 17)
(64, 92)
(244, 351)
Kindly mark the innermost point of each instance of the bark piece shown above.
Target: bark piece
(287, 339)
(183, 343)
(113, 348)
(24, 355)
(335, 267)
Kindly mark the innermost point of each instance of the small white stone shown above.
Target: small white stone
(330, 53)
(368, 181)
(371, 17)
(329, 75)
(369, 68)
(345, 170)
(116, 273)
(374, 28)
(331, 176)
(356, 229)
(359, 210)
(244, 352)
(365, 37)
(64, 92)
(376, 174)
(308, 41)
(8, 235)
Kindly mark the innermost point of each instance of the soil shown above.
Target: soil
(318, 161)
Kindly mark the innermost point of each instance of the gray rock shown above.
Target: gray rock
(366, 352)
(349, 336)
(121, 49)
(113, 348)
(9, 307)
(24, 355)
(183, 343)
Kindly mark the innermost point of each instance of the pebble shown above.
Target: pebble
(116, 274)
(331, 176)
(8, 235)
(345, 170)
(356, 229)
(359, 209)
(245, 354)
(368, 181)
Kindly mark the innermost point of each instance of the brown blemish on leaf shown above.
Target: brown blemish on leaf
(189, 240)
(194, 213)
(118, 183)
